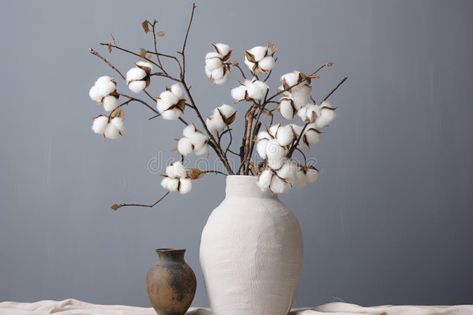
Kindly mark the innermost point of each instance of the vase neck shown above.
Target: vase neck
(170, 254)
(245, 186)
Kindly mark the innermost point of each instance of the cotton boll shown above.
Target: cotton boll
(296, 129)
(184, 146)
(287, 108)
(135, 74)
(165, 182)
(258, 52)
(103, 79)
(145, 65)
(327, 115)
(311, 135)
(267, 63)
(288, 171)
(213, 63)
(264, 180)
(202, 150)
(261, 148)
(99, 124)
(137, 86)
(227, 113)
(169, 98)
(212, 55)
(222, 49)
(249, 64)
(171, 114)
(94, 94)
(285, 135)
(223, 80)
(106, 88)
(215, 123)
(176, 89)
(118, 123)
(179, 169)
(110, 103)
(188, 130)
(290, 78)
(218, 73)
(185, 185)
(263, 135)
(278, 185)
(312, 175)
(172, 184)
(300, 178)
(198, 139)
(239, 93)
(309, 113)
(275, 154)
(257, 90)
(301, 95)
(111, 132)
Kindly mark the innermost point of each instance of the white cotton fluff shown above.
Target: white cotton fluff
(106, 87)
(168, 99)
(137, 86)
(94, 94)
(296, 129)
(112, 132)
(267, 63)
(223, 80)
(135, 74)
(288, 171)
(176, 170)
(172, 184)
(201, 150)
(222, 49)
(287, 108)
(213, 63)
(184, 146)
(285, 135)
(275, 154)
(327, 115)
(165, 182)
(176, 89)
(308, 113)
(278, 185)
(171, 114)
(258, 52)
(239, 93)
(257, 90)
(110, 103)
(218, 73)
(118, 123)
(261, 148)
(311, 135)
(291, 78)
(99, 124)
(146, 65)
(312, 175)
(301, 95)
(226, 111)
(215, 123)
(264, 179)
(185, 185)
(188, 130)
(301, 178)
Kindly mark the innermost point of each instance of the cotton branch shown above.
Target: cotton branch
(117, 206)
(294, 146)
(96, 53)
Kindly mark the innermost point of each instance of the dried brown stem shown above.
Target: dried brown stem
(117, 206)
(96, 53)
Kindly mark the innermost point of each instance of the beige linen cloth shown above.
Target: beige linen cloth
(75, 307)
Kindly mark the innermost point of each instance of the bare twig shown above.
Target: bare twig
(117, 206)
(182, 52)
(142, 102)
(214, 172)
(334, 89)
(96, 53)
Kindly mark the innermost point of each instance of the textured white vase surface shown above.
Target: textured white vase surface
(251, 252)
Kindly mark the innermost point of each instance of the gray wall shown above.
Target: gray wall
(388, 222)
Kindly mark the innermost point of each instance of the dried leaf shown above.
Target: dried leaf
(160, 34)
(109, 48)
(116, 206)
(195, 173)
(250, 57)
(143, 53)
(145, 26)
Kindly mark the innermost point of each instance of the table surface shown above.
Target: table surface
(75, 307)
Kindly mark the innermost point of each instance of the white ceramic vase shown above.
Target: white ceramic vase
(251, 252)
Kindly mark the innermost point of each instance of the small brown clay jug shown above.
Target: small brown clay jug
(171, 283)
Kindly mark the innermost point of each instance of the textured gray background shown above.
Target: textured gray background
(389, 221)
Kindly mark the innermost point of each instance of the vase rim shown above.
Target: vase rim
(170, 250)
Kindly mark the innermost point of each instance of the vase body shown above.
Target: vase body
(251, 252)
(171, 283)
